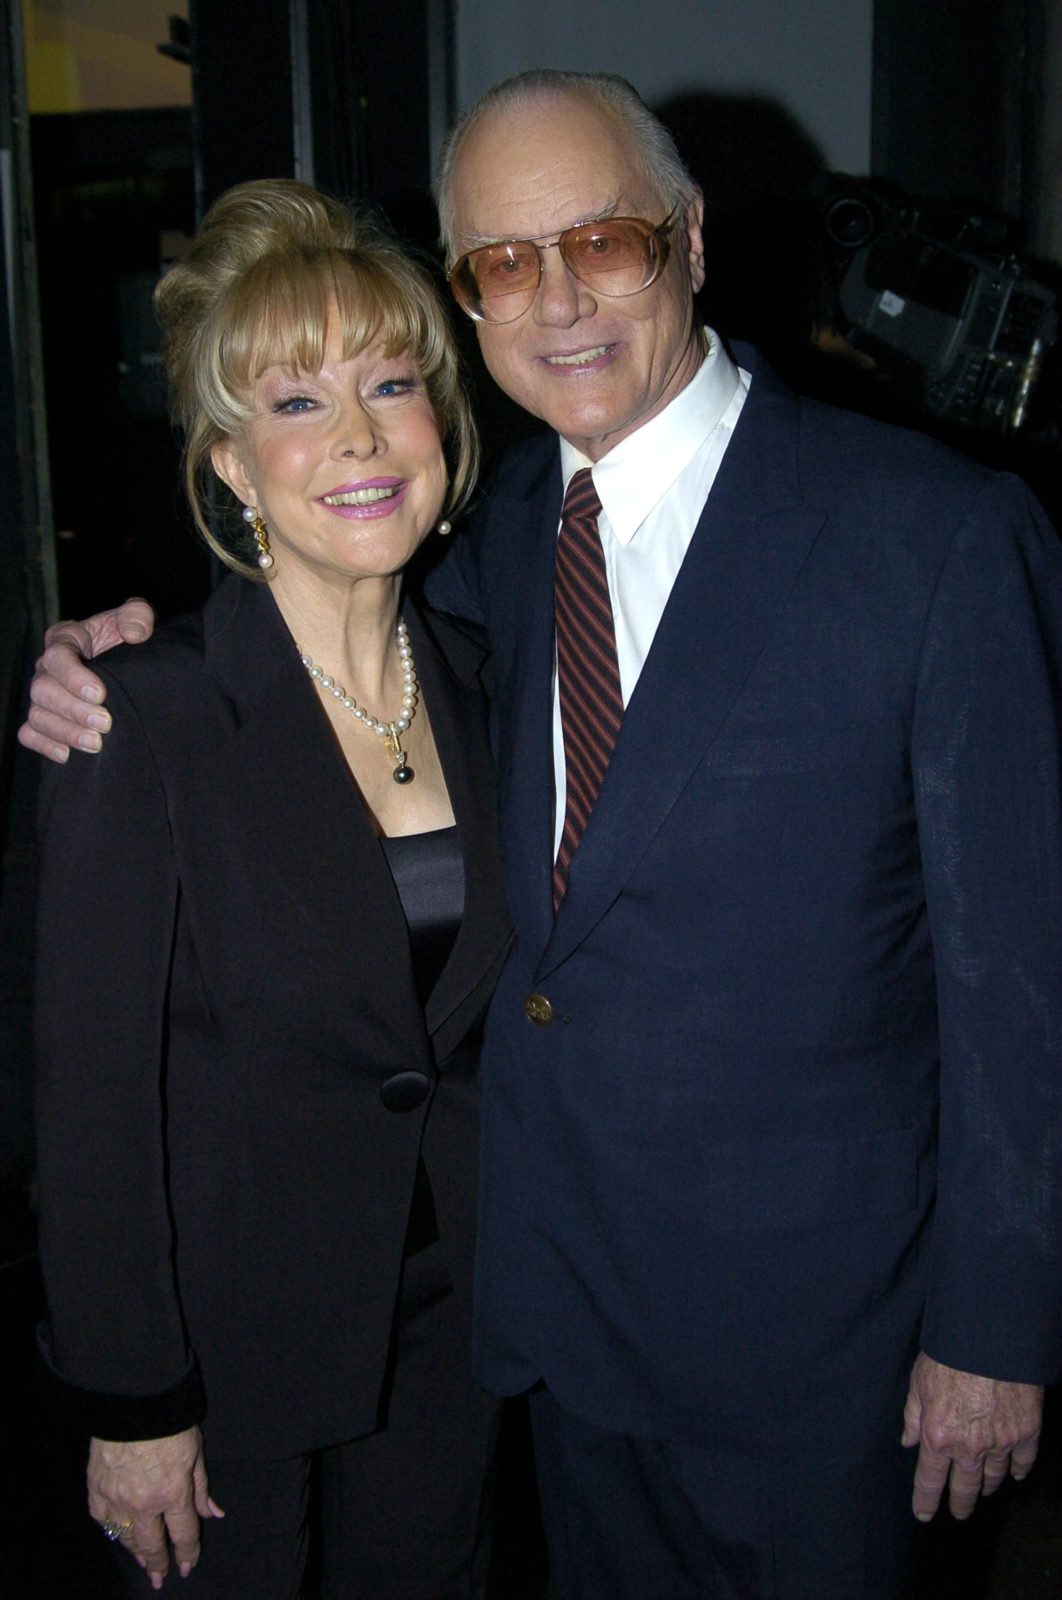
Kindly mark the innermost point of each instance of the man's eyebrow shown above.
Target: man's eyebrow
(479, 241)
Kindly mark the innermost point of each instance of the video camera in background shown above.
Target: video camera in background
(939, 300)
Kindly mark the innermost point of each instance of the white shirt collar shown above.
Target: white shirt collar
(635, 475)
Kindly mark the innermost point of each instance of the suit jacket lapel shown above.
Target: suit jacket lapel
(751, 542)
(522, 642)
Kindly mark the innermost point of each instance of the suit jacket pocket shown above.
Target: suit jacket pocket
(798, 1184)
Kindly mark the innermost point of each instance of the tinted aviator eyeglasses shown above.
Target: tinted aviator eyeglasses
(618, 256)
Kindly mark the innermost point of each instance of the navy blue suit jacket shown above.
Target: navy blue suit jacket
(798, 1111)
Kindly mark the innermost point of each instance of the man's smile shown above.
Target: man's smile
(580, 358)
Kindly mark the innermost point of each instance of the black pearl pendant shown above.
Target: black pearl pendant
(403, 774)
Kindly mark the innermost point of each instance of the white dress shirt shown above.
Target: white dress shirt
(653, 486)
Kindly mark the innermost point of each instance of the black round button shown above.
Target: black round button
(405, 1091)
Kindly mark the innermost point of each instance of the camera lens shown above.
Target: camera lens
(849, 221)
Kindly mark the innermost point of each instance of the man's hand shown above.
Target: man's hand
(154, 1491)
(66, 709)
(970, 1430)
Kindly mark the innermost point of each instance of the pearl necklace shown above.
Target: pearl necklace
(390, 732)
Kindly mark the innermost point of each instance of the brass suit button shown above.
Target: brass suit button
(538, 1008)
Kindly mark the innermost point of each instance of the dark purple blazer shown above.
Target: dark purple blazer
(224, 996)
(799, 1108)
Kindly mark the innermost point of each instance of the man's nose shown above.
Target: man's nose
(561, 299)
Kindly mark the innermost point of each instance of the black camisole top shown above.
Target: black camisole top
(429, 874)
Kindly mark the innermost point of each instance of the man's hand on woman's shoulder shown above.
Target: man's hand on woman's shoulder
(66, 699)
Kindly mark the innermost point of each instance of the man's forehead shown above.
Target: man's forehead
(531, 171)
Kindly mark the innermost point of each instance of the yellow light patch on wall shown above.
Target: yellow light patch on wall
(100, 55)
(51, 76)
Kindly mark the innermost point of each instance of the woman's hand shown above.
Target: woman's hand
(155, 1491)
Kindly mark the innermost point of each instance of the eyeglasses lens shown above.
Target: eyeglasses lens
(499, 282)
(617, 257)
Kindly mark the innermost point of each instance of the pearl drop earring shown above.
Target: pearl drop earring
(443, 527)
(261, 537)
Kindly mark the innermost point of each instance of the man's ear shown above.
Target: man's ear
(695, 239)
(227, 462)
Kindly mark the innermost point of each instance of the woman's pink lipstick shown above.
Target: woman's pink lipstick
(367, 499)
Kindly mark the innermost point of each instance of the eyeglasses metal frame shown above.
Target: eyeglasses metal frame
(656, 234)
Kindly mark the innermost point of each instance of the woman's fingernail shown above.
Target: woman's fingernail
(89, 741)
(89, 691)
(100, 720)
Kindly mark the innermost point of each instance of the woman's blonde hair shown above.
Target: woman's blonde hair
(272, 262)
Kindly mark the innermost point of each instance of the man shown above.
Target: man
(770, 1125)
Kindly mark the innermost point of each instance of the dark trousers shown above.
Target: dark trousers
(640, 1519)
(403, 1514)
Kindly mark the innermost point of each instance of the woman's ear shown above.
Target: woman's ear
(227, 462)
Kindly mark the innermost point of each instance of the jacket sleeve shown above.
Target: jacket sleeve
(986, 767)
(114, 1345)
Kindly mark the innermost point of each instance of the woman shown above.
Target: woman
(256, 1086)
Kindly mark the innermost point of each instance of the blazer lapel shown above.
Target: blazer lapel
(317, 844)
(750, 545)
(448, 665)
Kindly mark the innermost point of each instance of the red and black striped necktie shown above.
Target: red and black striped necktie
(587, 669)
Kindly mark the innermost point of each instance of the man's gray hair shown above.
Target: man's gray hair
(655, 149)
